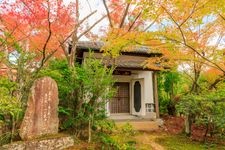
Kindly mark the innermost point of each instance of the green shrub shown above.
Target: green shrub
(206, 109)
(10, 110)
(119, 138)
(127, 130)
(117, 142)
(105, 126)
(83, 91)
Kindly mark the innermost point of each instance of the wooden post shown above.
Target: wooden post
(155, 91)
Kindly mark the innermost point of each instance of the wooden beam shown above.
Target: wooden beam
(155, 91)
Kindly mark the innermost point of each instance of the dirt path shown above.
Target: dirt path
(146, 138)
(147, 141)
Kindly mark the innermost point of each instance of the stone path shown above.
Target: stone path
(145, 139)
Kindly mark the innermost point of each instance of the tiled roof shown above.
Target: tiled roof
(98, 45)
(123, 61)
(130, 62)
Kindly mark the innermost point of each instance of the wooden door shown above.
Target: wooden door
(120, 102)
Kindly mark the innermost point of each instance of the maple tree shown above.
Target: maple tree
(190, 34)
(38, 23)
(45, 26)
(196, 36)
(31, 33)
(77, 33)
(198, 33)
(37, 30)
(45, 32)
(128, 24)
(193, 38)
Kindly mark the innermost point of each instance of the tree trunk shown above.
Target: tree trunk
(188, 123)
(89, 129)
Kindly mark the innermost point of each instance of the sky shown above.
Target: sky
(88, 6)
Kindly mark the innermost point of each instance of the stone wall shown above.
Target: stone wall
(58, 143)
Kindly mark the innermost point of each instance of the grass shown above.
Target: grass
(125, 138)
(152, 141)
(180, 142)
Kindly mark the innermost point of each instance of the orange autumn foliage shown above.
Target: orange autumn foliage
(30, 22)
(212, 74)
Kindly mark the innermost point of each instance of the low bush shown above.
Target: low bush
(83, 91)
(120, 138)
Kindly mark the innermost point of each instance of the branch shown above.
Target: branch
(222, 17)
(78, 25)
(28, 8)
(220, 37)
(195, 60)
(50, 55)
(136, 18)
(85, 18)
(48, 38)
(221, 69)
(189, 46)
(9, 35)
(218, 80)
(44, 61)
(185, 72)
(193, 49)
(179, 27)
(108, 14)
(85, 32)
(77, 10)
(170, 15)
(192, 11)
(17, 28)
(149, 26)
(124, 15)
(63, 46)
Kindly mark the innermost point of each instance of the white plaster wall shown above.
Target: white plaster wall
(145, 78)
(148, 85)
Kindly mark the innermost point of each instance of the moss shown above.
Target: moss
(49, 136)
(180, 142)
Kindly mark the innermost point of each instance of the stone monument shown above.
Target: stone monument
(41, 116)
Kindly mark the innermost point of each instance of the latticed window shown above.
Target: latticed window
(149, 107)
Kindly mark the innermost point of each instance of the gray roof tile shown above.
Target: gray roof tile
(98, 45)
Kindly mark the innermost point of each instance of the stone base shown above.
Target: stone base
(121, 117)
(58, 143)
(150, 115)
